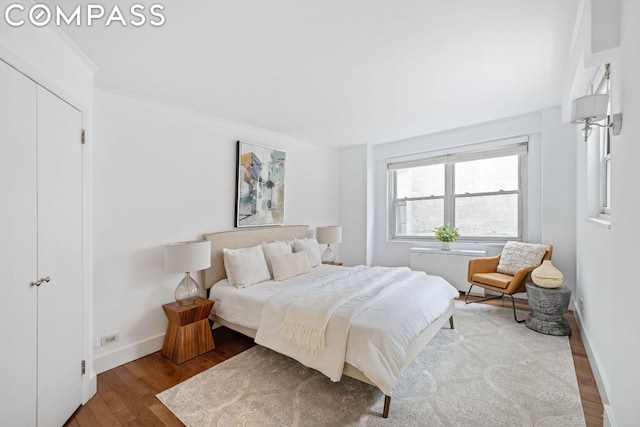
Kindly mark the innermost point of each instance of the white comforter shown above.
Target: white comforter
(372, 331)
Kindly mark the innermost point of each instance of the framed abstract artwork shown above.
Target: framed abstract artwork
(260, 186)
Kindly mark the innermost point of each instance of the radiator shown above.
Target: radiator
(452, 265)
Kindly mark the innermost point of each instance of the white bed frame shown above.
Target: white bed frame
(245, 237)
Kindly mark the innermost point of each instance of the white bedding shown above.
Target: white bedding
(244, 306)
(376, 338)
(308, 310)
(372, 332)
(377, 346)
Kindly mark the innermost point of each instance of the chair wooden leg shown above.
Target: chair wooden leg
(387, 403)
(451, 322)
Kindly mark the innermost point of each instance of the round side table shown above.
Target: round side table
(548, 304)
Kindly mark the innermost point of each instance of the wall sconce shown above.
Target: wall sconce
(590, 109)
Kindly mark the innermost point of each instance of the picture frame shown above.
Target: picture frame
(260, 186)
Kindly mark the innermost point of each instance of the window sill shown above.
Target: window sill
(462, 240)
(465, 252)
(600, 223)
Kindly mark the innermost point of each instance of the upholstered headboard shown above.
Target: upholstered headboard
(242, 238)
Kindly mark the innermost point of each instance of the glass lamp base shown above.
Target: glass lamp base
(328, 255)
(187, 291)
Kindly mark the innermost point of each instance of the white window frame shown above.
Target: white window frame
(602, 85)
(519, 148)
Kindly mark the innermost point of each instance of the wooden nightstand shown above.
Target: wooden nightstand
(188, 333)
(339, 263)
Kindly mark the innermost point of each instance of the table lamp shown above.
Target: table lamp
(329, 235)
(185, 257)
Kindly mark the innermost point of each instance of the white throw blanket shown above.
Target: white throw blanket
(397, 327)
(306, 319)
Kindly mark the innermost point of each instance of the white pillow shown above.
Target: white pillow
(290, 265)
(276, 248)
(310, 246)
(245, 266)
(517, 255)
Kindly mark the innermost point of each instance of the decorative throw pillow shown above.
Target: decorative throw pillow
(290, 265)
(310, 246)
(517, 255)
(276, 248)
(245, 266)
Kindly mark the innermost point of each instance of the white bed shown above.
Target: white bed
(380, 328)
(243, 307)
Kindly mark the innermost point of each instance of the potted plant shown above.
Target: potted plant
(446, 234)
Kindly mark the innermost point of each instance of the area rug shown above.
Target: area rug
(489, 371)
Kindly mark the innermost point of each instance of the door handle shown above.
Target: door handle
(40, 281)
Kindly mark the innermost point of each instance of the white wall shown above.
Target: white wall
(353, 205)
(625, 231)
(551, 186)
(558, 183)
(162, 175)
(593, 302)
(46, 56)
(604, 35)
(607, 256)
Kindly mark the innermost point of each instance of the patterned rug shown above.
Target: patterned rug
(489, 371)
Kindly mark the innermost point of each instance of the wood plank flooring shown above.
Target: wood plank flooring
(126, 394)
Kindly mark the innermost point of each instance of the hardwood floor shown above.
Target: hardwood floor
(126, 394)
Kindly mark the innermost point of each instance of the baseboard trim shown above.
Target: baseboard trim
(123, 355)
(593, 360)
(608, 420)
(90, 387)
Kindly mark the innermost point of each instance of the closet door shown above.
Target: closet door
(18, 245)
(59, 258)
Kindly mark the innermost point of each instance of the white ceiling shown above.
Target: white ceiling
(342, 72)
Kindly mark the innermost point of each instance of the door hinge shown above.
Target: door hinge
(84, 367)
(83, 136)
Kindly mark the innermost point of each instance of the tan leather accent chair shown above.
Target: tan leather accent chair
(483, 272)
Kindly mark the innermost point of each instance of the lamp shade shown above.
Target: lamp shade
(184, 257)
(329, 235)
(592, 107)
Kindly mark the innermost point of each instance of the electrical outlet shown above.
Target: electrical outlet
(109, 339)
(97, 343)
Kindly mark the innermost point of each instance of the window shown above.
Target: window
(605, 171)
(602, 84)
(480, 193)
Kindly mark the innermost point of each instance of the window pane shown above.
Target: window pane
(487, 175)
(607, 184)
(420, 182)
(419, 217)
(487, 215)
